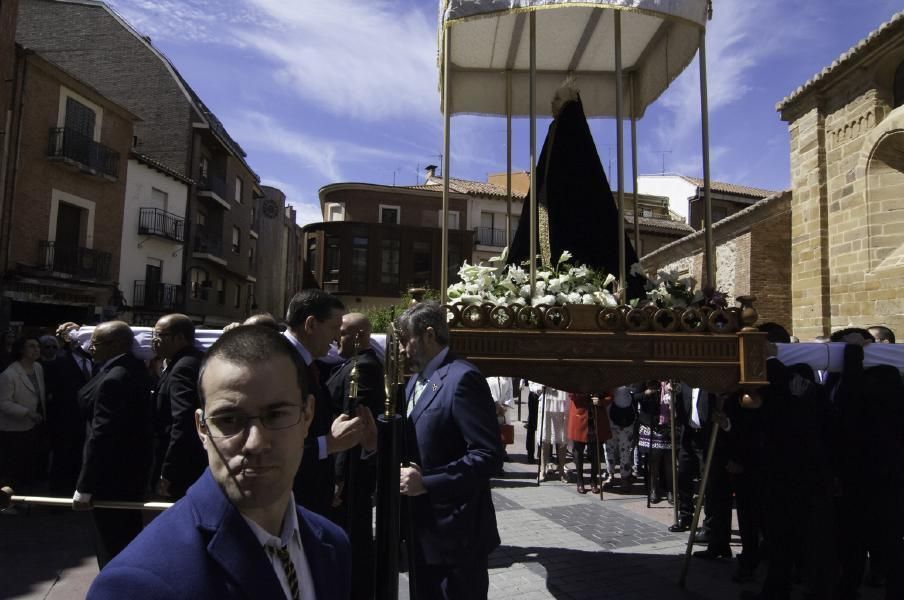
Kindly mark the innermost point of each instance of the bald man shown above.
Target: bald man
(179, 458)
(116, 404)
(356, 469)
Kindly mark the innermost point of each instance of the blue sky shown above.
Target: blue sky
(321, 91)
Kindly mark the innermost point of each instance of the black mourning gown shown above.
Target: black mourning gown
(583, 217)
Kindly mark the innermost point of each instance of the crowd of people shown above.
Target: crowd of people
(811, 463)
(237, 434)
(813, 471)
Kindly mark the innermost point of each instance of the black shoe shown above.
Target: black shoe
(655, 498)
(712, 553)
(670, 498)
(680, 526)
(531, 460)
(702, 537)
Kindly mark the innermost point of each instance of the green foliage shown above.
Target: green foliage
(380, 317)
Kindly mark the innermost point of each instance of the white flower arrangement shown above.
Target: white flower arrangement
(509, 285)
(666, 289)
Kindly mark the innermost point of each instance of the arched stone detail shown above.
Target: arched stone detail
(882, 163)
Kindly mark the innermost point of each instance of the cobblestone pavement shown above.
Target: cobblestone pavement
(555, 544)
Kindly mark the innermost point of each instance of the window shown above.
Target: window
(251, 249)
(335, 211)
(719, 213)
(202, 221)
(238, 190)
(422, 263)
(492, 229)
(312, 254)
(221, 291)
(236, 240)
(331, 268)
(159, 199)
(252, 302)
(199, 283)
(389, 214)
(203, 168)
(359, 264)
(453, 219)
(389, 263)
(237, 298)
(71, 220)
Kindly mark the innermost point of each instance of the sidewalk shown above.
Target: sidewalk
(555, 544)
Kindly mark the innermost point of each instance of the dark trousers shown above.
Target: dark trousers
(595, 461)
(66, 460)
(114, 530)
(453, 582)
(691, 454)
(748, 493)
(18, 455)
(718, 506)
(533, 405)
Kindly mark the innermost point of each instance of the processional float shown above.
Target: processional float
(508, 59)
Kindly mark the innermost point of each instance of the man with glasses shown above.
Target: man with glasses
(178, 456)
(117, 456)
(238, 532)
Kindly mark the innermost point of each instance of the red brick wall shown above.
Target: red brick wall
(37, 175)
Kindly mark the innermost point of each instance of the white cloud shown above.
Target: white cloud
(306, 211)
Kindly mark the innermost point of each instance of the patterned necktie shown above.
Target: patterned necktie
(419, 386)
(288, 568)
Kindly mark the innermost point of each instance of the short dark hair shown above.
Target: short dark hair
(416, 319)
(18, 349)
(838, 336)
(775, 333)
(253, 344)
(311, 302)
(881, 333)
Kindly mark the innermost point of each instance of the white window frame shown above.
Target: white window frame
(98, 111)
(328, 208)
(439, 219)
(239, 189)
(397, 208)
(57, 196)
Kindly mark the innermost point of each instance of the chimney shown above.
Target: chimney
(431, 171)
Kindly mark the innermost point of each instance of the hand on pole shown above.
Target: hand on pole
(411, 482)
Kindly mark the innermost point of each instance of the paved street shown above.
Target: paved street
(555, 544)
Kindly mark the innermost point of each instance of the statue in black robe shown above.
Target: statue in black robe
(576, 209)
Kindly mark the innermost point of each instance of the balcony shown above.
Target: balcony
(153, 221)
(78, 149)
(156, 295)
(491, 237)
(214, 188)
(82, 263)
(208, 248)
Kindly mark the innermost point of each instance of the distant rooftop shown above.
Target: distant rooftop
(465, 186)
(731, 188)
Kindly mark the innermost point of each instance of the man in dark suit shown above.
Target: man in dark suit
(452, 442)
(356, 469)
(179, 458)
(238, 532)
(70, 371)
(118, 450)
(314, 318)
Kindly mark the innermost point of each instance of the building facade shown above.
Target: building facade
(177, 130)
(65, 181)
(846, 127)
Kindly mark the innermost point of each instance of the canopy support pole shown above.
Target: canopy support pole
(533, 153)
(634, 169)
(709, 277)
(447, 117)
(620, 141)
(508, 159)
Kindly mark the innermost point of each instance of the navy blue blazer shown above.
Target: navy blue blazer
(202, 548)
(453, 435)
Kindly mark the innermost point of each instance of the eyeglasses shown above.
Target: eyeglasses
(226, 425)
(160, 336)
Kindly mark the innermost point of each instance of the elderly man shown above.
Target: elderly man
(314, 318)
(453, 445)
(179, 457)
(238, 533)
(116, 465)
(356, 469)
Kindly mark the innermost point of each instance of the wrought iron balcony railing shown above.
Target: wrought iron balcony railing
(156, 295)
(153, 221)
(491, 237)
(70, 144)
(208, 245)
(85, 263)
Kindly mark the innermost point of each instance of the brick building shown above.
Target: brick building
(177, 130)
(847, 177)
(64, 183)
